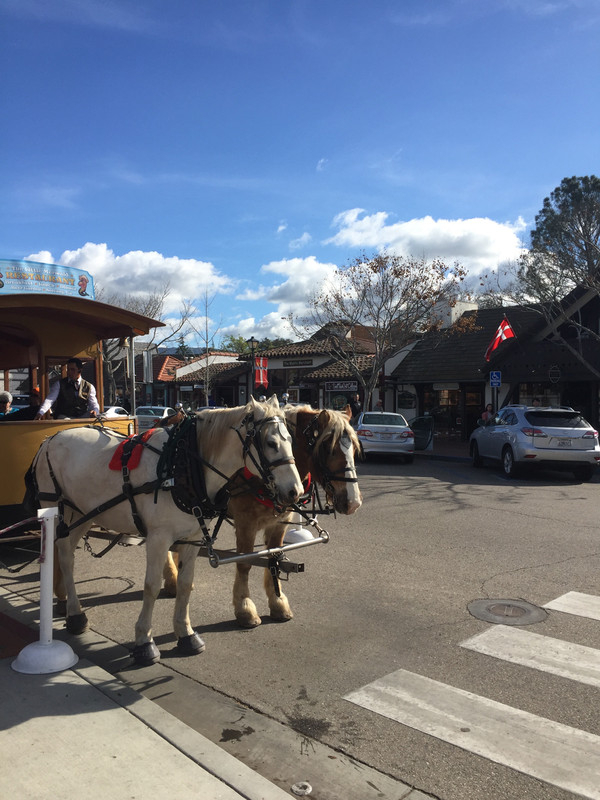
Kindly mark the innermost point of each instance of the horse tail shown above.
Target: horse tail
(30, 501)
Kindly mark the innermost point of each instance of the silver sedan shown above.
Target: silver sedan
(384, 432)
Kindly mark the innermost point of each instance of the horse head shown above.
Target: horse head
(268, 450)
(325, 446)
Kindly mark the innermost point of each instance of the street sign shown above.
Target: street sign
(495, 379)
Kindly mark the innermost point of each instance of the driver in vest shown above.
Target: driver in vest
(71, 396)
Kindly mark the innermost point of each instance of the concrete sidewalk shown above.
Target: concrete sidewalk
(81, 729)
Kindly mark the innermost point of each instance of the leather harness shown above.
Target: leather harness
(180, 470)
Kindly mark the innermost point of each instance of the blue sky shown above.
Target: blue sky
(238, 149)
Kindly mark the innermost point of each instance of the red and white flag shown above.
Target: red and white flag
(504, 332)
(260, 371)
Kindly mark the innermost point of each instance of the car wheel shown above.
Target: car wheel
(409, 459)
(508, 463)
(583, 473)
(476, 459)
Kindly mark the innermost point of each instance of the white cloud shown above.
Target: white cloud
(478, 243)
(302, 277)
(282, 227)
(93, 13)
(253, 293)
(301, 241)
(296, 279)
(139, 273)
(321, 164)
(271, 326)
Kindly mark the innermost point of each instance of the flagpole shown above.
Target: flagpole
(252, 343)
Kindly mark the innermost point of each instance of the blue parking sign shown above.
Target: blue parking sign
(495, 378)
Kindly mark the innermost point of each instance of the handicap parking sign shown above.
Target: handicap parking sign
(495, 378)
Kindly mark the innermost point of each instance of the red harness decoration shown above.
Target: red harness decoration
(116, 462)
(265, 501)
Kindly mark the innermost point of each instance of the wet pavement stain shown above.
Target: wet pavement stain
(233, 735)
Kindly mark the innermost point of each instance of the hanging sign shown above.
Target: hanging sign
(32, 277)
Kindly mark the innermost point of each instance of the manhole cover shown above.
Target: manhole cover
(507, 612)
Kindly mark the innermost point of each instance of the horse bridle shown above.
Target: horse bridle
(253, 438)
(311, 435)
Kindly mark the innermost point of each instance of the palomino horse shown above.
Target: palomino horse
(72, 467)
(324, 446)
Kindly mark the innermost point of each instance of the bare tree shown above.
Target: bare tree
(148, 305)
(388, 299)
(207, 337)
(560, 275)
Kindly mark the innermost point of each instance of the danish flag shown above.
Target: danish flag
(260, 371)
(504, 332)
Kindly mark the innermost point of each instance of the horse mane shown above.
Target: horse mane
(216, 423)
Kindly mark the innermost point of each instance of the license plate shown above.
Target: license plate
(564, 443)
(385, 435)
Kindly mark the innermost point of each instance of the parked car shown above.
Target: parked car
(384, 432)
(149, 416)
(115, 411)
(528, 436)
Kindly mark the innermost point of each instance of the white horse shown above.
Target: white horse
(72, 468)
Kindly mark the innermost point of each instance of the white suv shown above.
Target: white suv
(528, 436)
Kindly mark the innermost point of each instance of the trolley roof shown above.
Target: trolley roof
(24, 316)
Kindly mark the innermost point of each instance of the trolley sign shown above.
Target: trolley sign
(495, 379)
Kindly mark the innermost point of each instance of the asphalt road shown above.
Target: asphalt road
(388, 595)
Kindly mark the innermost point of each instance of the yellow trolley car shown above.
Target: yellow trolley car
(38, 333)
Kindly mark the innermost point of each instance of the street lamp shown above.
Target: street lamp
(252, 342)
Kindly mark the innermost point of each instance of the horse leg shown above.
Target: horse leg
(145, 651)
(188, 641)
(77, 621)
(170, 574)
(244, 608)
(279, 607)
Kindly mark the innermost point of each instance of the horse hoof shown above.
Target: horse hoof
(60, 608)
(76, 624)
(190, 645)
(146, 654)
(278, 616)
(248, 622)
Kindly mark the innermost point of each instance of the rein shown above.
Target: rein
(180, 470)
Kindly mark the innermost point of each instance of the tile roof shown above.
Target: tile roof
(164, 367)
(336, 370)
(225, 370)
(316, 345)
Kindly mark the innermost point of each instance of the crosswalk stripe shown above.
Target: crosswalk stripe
(573, 661)
(549, 751)
(577, 603)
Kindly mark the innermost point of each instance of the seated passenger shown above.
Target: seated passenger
(5, 404)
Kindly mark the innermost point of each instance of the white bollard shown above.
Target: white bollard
(46, 655)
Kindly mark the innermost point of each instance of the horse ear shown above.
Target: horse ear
(347, 412)
(273, 401)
